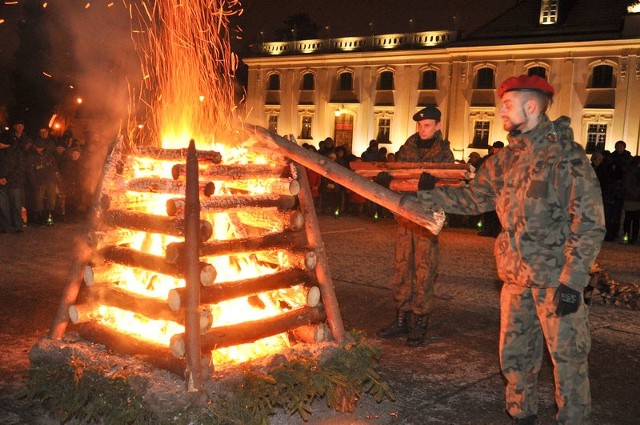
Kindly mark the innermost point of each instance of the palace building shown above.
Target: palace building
(355, 89)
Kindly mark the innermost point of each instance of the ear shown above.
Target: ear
(530, 106)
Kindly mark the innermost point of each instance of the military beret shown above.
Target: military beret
(526, 82)
(428, 113)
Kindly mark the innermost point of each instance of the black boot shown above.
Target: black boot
(418, 330)
(399, 327)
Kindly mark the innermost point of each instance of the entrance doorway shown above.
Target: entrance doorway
(343, 132)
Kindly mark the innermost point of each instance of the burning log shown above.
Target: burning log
(224, 172)
(170, 186)
(117, 236)
(242, 333)
(312, 229)
(312, 334)
(411, 185)
(243, 288)
(174, 252)
(176, 154)
(409, 208)
(153, 223)
(229, 203)
(74, 279)
(279, 186)
(272, 219)
(151, 308)
(132, 258)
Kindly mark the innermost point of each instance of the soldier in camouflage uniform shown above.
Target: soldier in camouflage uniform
(416, 258)
(548, 200)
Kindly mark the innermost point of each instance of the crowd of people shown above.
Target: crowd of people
(42, 179)
(619, 176)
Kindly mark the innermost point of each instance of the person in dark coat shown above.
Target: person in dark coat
(11, 182)
(618, 162)
(632, 201)
(72, 174)
(42, 176)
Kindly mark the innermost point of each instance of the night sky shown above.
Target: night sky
(98, 38)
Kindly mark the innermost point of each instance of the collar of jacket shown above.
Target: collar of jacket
(532, 139)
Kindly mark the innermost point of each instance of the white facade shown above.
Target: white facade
(467, 110)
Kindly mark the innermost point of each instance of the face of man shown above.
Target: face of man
(619, 147)
(427, 128)
(513, 112)
(19, 128)
(44, 133)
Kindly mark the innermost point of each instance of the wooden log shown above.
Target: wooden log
(230, 203)
(85, 244)
(114, 236)
(242, 333)
(223, 172)
(274, 241)
(193, 276)
(154, 354)
(412, 209)
(175, 154)
(170, 186)
(313, 296)
(312, 334)
(323, 274)
(414, 173)
(272, 219)
(303, 258)
(133, 258)
(387, 166)
(411, 185)
(242, 288)
(280, 186)
(153, 223)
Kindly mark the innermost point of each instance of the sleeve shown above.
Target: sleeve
(580, 196)
(476, 197)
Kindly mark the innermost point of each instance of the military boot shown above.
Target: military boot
(418, 330)
(399, 327)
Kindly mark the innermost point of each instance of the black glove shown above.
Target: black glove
(426, 182)
(567, 300)
(383, 179)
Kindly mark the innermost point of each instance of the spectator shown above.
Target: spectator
(42, 176)
(330, 192)
(632, 201)
(475, 159)
(46, 139)
(11, 182)
(618, 162)
(72, 174)
(371, 154)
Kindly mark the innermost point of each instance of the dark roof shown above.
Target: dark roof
(579, 20)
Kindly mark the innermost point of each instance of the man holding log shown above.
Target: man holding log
(416, 258)
(547, 198)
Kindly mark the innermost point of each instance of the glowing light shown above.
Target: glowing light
(201, 98)
(634, 8)
(44, 5)
(79, 101)
(88, 5)
(46, 74)
(1, 21)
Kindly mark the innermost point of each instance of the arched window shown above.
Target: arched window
(346, 81)
(274, 82)
(602, 77)
(540, 71)
(429, 80)
(308, 82)
(484, 78)
(385, 80)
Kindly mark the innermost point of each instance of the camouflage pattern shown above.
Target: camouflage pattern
(548, 200)
(416, 257)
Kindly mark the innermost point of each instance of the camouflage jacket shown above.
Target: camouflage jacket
(411, 151)
(547, 197)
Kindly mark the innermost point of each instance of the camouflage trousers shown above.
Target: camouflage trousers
(527, 317)
(416, 268)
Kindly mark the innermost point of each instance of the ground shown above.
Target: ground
(453, 379)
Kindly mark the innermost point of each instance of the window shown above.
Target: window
(305, 130)
(540, 71)
(385, 81)
(384, 127)
(429, 80)
(549, 12)
(602, 77)
(484, 78)
(346, 81)
(273, 123)
(308, 81)
(481, 134)
(596, 137)
(274, 82)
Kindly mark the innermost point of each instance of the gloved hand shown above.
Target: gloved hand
(426, 182)
(383, 179)
(567, 300)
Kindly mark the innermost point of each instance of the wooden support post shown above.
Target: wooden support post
(74, 279)
(193, 372)
(325, 282)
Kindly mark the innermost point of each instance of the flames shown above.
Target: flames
(188, 90)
